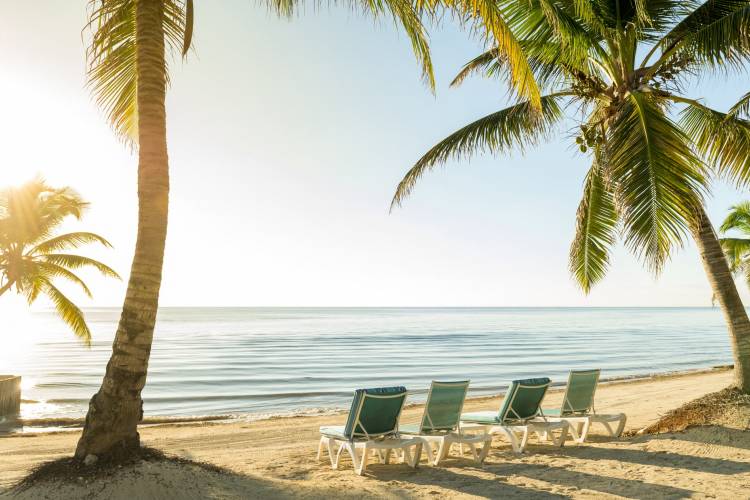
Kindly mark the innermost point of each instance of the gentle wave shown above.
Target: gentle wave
(271, 361)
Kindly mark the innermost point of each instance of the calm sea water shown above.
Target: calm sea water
(263, 361)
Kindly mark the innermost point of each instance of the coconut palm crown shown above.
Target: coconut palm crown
(617, 70)
(33, 257)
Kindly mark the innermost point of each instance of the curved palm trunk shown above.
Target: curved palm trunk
(114, 411)
(725, 291)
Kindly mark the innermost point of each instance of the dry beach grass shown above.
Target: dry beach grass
(275, 459)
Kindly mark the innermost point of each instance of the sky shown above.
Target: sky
(287, 139)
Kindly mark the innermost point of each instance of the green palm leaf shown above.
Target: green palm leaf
(658, 181)
(513, 127)
(51, 271)
(738, 218)
(78, 262)
(722, 139)
(741, 109)
(112, 59)
(596, 225)
(489, 16)
(68, 311)
(67, 241)
(716, 34)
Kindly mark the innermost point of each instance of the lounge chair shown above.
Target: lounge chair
(440, 424)
(372, 426)
(578, 407)
(520, 414)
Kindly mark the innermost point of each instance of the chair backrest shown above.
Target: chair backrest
(523, 399)
(375, 412)
(579, 394)
(442, 411)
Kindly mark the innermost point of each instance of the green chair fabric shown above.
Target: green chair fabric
(374, 412)
(521, 403)
(579, 395)
(443, 407)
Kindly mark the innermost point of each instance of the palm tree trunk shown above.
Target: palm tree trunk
(115, 411)
(725, 291)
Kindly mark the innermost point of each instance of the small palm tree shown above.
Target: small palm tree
(621, 68)
(32, 257)
(737, 249)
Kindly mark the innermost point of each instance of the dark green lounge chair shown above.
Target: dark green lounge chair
(520, 414)
(372, 426)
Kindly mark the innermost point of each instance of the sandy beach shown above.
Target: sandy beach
(276, 458)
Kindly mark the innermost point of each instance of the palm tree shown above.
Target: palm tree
(128, 74)
(33, 257)
(737, 249)
(622, 65)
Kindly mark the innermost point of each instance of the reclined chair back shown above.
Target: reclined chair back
(442, 410)
(523, 400)
(375, 412)
(579, 394)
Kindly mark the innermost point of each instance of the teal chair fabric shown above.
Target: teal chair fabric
(522, 402)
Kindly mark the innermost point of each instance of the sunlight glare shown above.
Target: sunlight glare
(19, 340)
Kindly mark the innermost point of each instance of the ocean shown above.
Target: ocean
(259, 362)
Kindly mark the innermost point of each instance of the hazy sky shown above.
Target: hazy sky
(286, 141)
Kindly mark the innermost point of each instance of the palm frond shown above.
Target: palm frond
(51, 271)
(596, 225)
(488, 17)
(658, 181)
(716, 34)
(723, 140)
(737, 219)
(737, 251)
(741, 109)
(68, 241)
(516, 126)
(68, 312)
(78, 262)
(112, 60)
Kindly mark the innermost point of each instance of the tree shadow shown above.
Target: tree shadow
(628, 488)
(447, 477)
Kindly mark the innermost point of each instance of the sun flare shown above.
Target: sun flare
(16, 176)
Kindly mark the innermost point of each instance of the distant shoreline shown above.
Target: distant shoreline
(65, 424)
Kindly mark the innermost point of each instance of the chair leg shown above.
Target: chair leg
(322, 442)
(621, 426)
(442, 451)
(485, 450)
(331, 455)
(524, 439)
(359, 464)
(432, 455)
(335, 459)
(583, 431)
(417, 453)
(513, 438)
